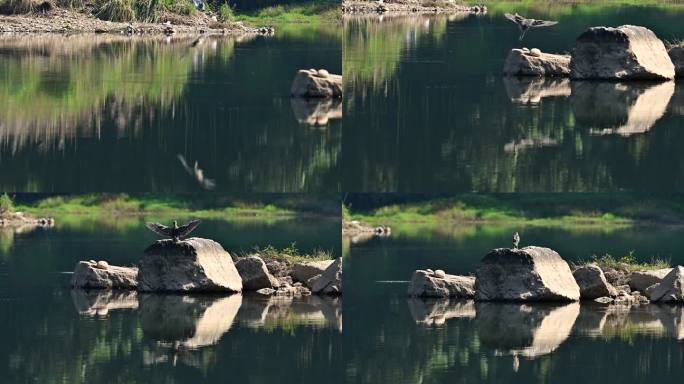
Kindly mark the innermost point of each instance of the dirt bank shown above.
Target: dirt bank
(67, 21)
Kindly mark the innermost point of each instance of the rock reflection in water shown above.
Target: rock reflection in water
(531, 90)
(618, 108)
(316, 311)
(316, 112)
(438, 311)
(100, 302)
(627, 321)
(528, 330)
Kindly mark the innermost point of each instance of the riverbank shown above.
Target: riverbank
(532, 209)
(135, 17)
(69, 21)
(133, 206)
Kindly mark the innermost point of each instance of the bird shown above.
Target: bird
(197, 173)
(175, 232)
(516, 240)
(525, 24)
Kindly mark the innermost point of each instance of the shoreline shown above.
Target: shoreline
(61, 21)
(359, 7)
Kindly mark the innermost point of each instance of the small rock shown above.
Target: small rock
(323, 73)
(536, 52)
(102, 264)
(604, 300)
(430, 271)
(440, 274)
(266, 291)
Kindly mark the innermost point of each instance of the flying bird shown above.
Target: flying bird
(516, 240)
(175, 232)
(525, 24)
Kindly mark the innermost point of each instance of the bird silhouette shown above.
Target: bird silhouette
(525, 24)
(174, 232)
(516, 240)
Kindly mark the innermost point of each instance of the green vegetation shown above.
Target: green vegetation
(305, 12)
(290, 254)
(529, 209)
(6, 204)
(628, 262)
(225, 12)
(122, 204)
(115, 10)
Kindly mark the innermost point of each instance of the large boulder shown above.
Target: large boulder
(310, 83)
(526, 274)
(330, 281)
(677, 56)
(304, 270)
(191, 265)
(626, 52)
(101, 275)
(254, 274)
(592, 282)
(427, 284)
(641, 280)
(671, 288)
(525, 62)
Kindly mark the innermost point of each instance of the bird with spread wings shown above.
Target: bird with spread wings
(525, 24)
(174, 232)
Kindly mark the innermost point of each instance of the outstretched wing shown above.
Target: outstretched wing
(542, 23)
(511, 17)
(187, 228)
(159, 229)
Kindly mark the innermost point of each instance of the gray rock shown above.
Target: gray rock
(309, 83)
(254, 274)
(677, 57)
(592, 282)
(615, 277)
(191, 265)
(671, 288)
(641, 280)
(266, 291)
(304, 270)
(330, 281)
(90, 275)
(425, 284)
(536, 63)
(526, 274)
(626, 52)
(604, 300)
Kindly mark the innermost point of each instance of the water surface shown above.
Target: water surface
(53, 334)
(114, 113)
(427, 108)
(392, 338)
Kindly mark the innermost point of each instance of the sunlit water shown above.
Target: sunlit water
(391, 338)
(52, 334)
(114, 113)
(428, 109)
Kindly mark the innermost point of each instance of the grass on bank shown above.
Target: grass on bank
(533, 209)
(154, 10)
(125, 205)
(289, 253)
(306, 12)
(627, 262)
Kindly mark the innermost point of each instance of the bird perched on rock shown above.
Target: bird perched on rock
(525, 24)
(175, 232)
(516, 240)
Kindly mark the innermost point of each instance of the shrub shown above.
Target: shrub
(180, 7)
(147, 10)
(6, 204)
(115, 10)
(16, 7)
(226, 12)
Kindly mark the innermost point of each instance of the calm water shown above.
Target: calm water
(110, 113)
(54, 334)
(391, 338)
(427, 108)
